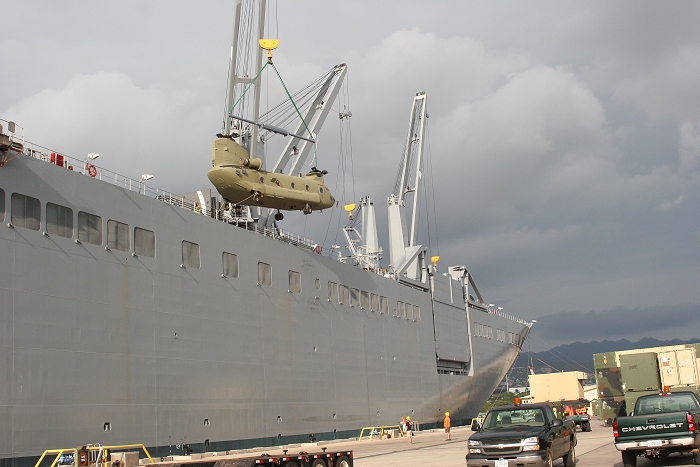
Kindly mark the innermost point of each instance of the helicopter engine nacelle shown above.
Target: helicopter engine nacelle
(253, 163)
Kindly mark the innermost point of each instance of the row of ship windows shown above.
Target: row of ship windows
(26, 213)
(338, 293)
(482, 330)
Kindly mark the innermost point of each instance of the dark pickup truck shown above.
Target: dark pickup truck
(660, 424)
(526, 434)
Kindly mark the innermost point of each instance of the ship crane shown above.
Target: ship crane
(239, 170)
(407, 258)
(364, 246)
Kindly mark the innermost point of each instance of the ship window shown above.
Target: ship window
(332, 292)
(26, 211)
(117, 235)
(144, 242)
(318, 283)
(400, 310)
(190, 255)
(383, 305)
(416, 313)
(409, 311)
(294, 282)
(490, 336)
(2, 204)
(364, 300)
(344, 295)
(354, 297)
(230, 263)
(375, 302)
(59, 220)
(89, 228)
(264, 274)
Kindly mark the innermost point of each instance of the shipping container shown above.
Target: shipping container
(610, 408)
(687, 367)
(678, 367)
(668, 365)
(609, 382)
(640, 372)
(605, 360)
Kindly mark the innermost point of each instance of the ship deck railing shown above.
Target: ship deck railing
(511, 317)
(90, 169)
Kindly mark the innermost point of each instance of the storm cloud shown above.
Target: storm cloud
(563, 148)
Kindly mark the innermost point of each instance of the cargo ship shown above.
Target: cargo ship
(134, 315)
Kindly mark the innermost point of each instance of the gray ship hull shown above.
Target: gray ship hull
(105, 346)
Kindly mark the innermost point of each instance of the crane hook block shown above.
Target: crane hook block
(269, 45)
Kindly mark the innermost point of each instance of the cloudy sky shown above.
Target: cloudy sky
(564, 136)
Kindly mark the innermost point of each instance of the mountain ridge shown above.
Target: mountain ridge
(577, 356)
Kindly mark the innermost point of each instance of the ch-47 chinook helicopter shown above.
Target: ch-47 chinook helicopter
(241, 180)
(238, 174)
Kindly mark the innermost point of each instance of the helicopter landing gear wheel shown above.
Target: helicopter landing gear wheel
(307, 209)
(279, 216)
(257, 196)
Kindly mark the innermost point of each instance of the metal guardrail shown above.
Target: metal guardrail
(379, 431)
(88, 168)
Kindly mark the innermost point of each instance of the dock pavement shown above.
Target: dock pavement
(430, 449)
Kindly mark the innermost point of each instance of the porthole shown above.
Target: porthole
(307, 187)
(321, 189)
(277, 182)
(294, 185)
(262, 179)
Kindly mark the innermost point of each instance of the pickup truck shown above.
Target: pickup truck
(517, 435)
(659, 425)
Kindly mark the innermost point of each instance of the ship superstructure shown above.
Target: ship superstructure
(133, 315)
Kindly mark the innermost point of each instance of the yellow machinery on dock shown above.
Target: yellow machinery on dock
(89, 455)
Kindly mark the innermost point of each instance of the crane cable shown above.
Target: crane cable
(269, 62)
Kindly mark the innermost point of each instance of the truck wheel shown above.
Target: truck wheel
(342, 461)
(696, 459)
(570, 457)
(291, 464)
(586, 426)
(318, 463)
(549, 458)
(629, 458)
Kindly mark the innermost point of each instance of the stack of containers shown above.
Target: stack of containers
(679, 368)
(611, 395)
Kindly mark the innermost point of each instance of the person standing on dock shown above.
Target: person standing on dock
(447, 424)
(409, 430)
